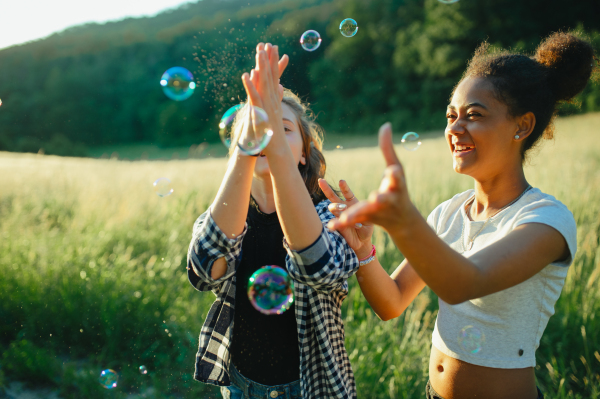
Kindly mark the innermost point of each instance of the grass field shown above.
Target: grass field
(92, 272)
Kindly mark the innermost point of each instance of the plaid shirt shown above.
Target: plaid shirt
(319, 273)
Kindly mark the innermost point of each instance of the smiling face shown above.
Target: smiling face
(480, 132)
(294, 139)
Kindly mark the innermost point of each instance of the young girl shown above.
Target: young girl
(497, 256)
(271, 211)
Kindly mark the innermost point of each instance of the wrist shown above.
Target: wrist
(365, 251)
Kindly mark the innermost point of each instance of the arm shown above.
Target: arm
(389, 296)
(209, 245)
(300, 223)
(453, 277)
(327, 263)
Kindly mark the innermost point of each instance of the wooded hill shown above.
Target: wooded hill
(98, 84)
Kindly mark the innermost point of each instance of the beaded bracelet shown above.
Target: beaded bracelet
(368, 259)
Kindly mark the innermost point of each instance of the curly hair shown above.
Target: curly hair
(312, 143)
(559, 70)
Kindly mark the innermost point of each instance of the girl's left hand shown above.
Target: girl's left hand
(390, 207)
(262, 84)
(358, 236)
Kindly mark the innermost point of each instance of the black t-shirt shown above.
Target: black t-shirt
(264, 348)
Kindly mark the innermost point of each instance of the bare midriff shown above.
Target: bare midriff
(455, 379)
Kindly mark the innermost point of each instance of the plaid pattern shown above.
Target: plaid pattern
(320, 273)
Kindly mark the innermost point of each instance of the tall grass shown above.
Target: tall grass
(92, 272)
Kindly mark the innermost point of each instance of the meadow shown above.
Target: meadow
(92, 271)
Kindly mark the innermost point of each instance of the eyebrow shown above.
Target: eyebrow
(288, 120)
(469, 106)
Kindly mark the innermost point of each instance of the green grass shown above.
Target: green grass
(92, 271)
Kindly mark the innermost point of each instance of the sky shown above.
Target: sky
(25, 20)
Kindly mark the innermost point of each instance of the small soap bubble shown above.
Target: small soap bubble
(448, 1)
(339, 147)
(162, 187)
(143, 370)
(270, 290)
(0, 101)
(410, 141)
(471, 339)
(108, 378)
(348, 27)
(247, 126)
(310, 40)
(178, 83)
(225, 203)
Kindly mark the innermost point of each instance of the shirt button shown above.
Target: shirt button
(274, 394)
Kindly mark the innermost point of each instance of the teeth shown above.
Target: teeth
(459, 147)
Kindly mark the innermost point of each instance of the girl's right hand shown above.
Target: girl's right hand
(357, 236)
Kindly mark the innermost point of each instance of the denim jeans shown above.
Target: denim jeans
(243, 388)
(432, 394)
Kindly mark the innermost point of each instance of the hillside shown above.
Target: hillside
(97, 84)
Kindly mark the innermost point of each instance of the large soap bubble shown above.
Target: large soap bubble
(178, 83)
(270, 290)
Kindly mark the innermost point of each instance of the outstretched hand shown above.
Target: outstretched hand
(390, 206)
(358, 236)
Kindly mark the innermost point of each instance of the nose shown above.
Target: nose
(455, 127)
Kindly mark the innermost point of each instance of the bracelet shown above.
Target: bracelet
(368, 259)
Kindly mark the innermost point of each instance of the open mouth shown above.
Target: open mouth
(461, 149)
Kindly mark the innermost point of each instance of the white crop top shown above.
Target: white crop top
(510, 322)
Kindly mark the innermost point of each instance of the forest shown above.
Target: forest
(98, 84)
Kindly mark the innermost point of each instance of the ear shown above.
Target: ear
(525, 125)
(303, 160)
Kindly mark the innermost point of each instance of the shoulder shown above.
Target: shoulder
(447, 208)
(539, 207)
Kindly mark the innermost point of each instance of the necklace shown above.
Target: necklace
(470, 204)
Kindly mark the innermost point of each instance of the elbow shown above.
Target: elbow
(454, 298)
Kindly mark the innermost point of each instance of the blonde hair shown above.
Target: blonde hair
(312, 142)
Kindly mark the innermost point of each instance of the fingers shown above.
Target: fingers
(328, 191)
(283, 63)
(393, 179)
(358, 213)
(336, 209)
(251, 90)
(348, 194)
(386, 145)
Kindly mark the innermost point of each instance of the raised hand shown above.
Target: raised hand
(357, 236)
(390, 206)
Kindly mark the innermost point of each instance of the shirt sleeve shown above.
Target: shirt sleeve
(208, 244)
(553, 213)
(326, 264)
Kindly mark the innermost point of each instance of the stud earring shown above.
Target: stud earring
(516, 137)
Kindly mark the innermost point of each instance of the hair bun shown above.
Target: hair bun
(569, 60)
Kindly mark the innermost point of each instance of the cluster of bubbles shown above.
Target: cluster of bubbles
(270, 290)
(109, 378)
(471, 339)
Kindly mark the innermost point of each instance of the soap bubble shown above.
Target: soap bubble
(178, 83)
(471, 339)
(348, 27)
(226, 124)
(108, 378)
(252, 128)
(0, 101)
(162, 187)
(410, 141)
(270, 290)
(310, 40)
(448, 1)
(143, 370)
